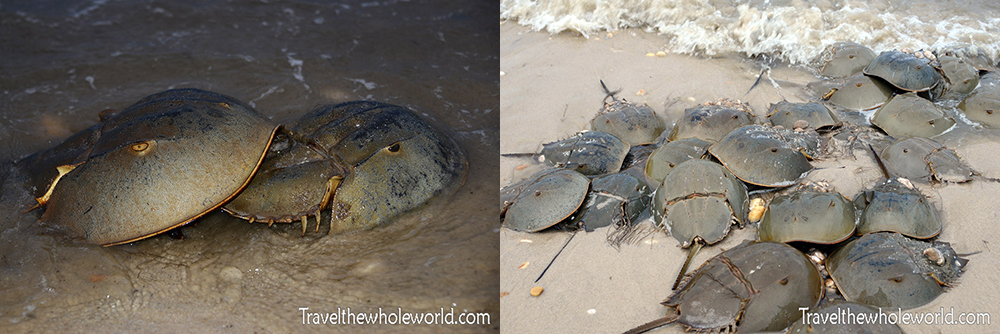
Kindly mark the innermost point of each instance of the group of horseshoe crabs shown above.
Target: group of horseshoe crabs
(718, 167)
(177, 155)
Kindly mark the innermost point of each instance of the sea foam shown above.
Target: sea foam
(795, 31)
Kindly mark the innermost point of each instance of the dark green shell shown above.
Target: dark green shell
(544, 199)
(845, 58)
(908, 115)
(962, 77)
(925, 160)
(895, 206)
(861, 92)
(757, 155)
(890, 270)
(614, 199)
(905, 71)
(816, 114)
(588, 152)
(711, 121)
(386, 161)
(699, 198)
(983, 105)
(666, 157)
(762, 283)
(810, 216)
(633, 123)
(158, 164)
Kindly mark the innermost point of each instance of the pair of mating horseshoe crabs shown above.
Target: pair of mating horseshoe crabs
(177, 155)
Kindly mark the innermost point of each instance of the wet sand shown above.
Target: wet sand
(549, 90)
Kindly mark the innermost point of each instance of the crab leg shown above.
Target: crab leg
(317, 219)
(305, 222)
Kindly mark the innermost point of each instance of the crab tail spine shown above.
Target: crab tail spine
(669, 319)
(881, 165)
(695, 247)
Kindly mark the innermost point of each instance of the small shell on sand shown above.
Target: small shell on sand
(536, 291)
(661, 54)
(756, 209)
(650, 54)
(523, 265)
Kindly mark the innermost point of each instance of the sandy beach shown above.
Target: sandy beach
(549, 90)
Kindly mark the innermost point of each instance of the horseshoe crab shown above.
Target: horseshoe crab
(926, 160)
(858, 92)
(368, 161)
(757, 155)
(808, 214)
(813, 321)
(805, 140)
(816, 115)
(697, 203)
(754, 287)
(614, 199)
(895, 205)
(891, 270)
(962, 77)
(712, 120)
(971, 54)
(158, 164)
(543, 200)
(908, 115)
(983, 104)
(845, 58)
(665, 158)
(905, 71)
(632, 123)
(588, 152)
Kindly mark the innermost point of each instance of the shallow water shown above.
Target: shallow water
(65, 61)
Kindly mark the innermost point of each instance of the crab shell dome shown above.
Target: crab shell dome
(160, 163)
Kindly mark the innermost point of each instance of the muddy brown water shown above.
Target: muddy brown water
(62, 62)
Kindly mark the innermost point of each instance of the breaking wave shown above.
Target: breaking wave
(793, 30)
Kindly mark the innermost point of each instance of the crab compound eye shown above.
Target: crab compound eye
(140, 146)
(393, 148)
